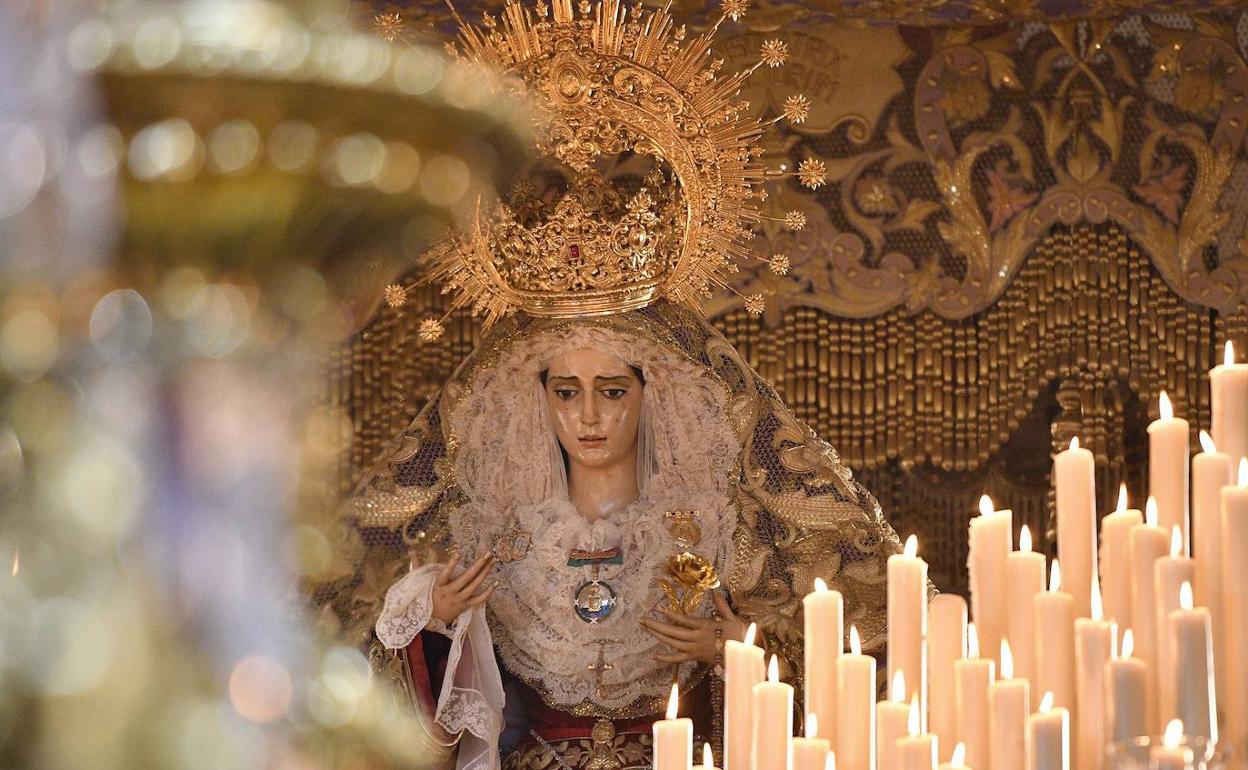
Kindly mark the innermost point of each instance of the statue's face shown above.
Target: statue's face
(595, 403)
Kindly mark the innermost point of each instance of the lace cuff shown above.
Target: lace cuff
(471, 703)
(408, 609)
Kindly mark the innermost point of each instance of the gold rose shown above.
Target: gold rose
(692, 576)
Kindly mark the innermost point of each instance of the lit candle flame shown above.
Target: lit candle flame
(1165, 409)
(1176, 540)
(1185, 596)
(749, 635)
(1074, 442)
(1206, 442)
(1098, 604)
(1122, 497)
(972, 641)
(1046, 703)
(985, 505)
(1174, 734)
(1150, 511)
(1128, 643)
(912, 546)
(1007, 660)
(959, 755)
(1228, 354)
(812, 725)
(1055, 576)
(855, 641)
(773, 670)
(820, 586)
(898, 695)
(1024, 539)
(707, 759)
(17, 562)
(673, 702)
(913, 724)
(1243, 471)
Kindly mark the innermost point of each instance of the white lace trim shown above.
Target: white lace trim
(471, 700)
(498, 422)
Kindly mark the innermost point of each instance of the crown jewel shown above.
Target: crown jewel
(629, 88)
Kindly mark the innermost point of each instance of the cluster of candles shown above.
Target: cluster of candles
(1065, 672)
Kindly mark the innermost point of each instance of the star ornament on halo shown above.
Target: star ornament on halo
(735, 9)
(430, 330)
(774, 52)
(389, 26)
(812, 173)
(796, 109)
(396, 295)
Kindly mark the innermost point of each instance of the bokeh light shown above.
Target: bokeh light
(260, 688)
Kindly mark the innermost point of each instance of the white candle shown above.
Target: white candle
(1228, 385)
(973, 676)
(824, 620)
(1127, 679)
(1168, 468)
(917, 751)
(1008, 708)
(673, 738)
(811, 752)
(1149, 543)
(1211, 470)
(1191, 644)
(1074, 475)
(1171, 754)
(1116, 568)
(892, 723)
(957, 760)
(708, 762)
(1094, 647)
(855, 733)
(907, 621)
(743, 668)
(1024, 579)
(946, 643)
(1055, 640)
(1048, 733)
(991, 540)
(1169, 575)
(1235, 574)
(773, 722)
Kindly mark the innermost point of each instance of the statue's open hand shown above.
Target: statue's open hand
(693, 638)
(452, 594)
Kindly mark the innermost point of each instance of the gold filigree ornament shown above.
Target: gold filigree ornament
(606, 83)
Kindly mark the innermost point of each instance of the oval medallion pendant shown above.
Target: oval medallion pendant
(594, 601)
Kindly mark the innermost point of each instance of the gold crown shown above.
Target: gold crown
(608, 83)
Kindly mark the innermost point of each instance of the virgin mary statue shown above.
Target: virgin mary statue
(605, 492)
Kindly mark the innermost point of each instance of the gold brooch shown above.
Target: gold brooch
(684, 529)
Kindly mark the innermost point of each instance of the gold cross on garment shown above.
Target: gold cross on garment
(601, 666)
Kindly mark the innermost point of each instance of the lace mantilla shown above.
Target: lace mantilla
(497, 422)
